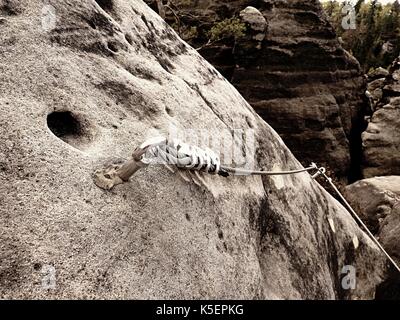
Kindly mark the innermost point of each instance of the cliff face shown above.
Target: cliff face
(298, 78)
(381, 139)
(305, 85)
(83, 81)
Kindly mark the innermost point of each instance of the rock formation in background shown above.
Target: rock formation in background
(93, 83)
(381, 140)
(295, 74)
(378, 202)
(376, 80)
(376, 199)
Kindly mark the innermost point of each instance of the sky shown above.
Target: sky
(381, 1)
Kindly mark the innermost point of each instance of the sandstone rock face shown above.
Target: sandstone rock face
(378, 202)
(381, 140)
(248, 48)
(91, 85)
(391, 86)
(255, 20)
(300, 81)
(375, 88)
(375, 199)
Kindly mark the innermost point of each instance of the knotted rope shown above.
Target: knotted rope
(184, 156)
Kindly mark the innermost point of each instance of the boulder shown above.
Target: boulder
(248, 48)
(377, 200)
(381, 139)
(255, 21)
(392, 89)
(85, 82)
(375, 88)
(381, 142)
(377, 73)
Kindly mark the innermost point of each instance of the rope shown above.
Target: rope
(321, 171)
(236, 171)
(188, 157)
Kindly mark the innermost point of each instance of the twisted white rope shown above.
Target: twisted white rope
(188, 157)
(182, 155)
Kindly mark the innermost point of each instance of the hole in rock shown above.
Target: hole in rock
(113, 47)
(92, 24)
(106, 5)
(36, 266)
(69, 128)
(129, 39)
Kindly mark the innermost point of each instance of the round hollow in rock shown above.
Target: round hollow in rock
(69, 128)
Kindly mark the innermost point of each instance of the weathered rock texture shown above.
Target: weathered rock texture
(378, 202)
(381, 140)
(375, 199)
(299, 79)
(109, 75)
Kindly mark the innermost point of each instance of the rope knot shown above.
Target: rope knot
(181, 155)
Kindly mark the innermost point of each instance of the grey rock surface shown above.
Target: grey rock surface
(375, 88)
(95, 83)
(254, 18)
(378, 202)
(378, 73)
(381, 139)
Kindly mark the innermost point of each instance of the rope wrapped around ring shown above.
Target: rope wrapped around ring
(184, 156)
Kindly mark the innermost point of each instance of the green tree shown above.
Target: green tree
(378, 27)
